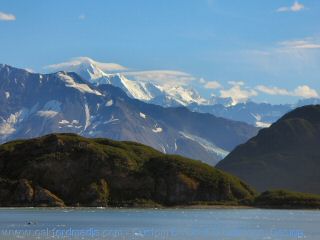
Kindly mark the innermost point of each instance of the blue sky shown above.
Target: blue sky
(264, 50)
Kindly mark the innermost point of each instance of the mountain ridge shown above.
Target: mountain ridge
(284, 156)
(261, 115)
(38, 104)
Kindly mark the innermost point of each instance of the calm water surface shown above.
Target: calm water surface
(220, 224)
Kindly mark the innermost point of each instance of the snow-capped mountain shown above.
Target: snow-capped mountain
(37, 104)
(214, 100)
(261, 115)
(164, 95)
(258, 114)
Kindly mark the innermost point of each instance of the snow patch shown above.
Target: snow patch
(50, 109)
(72, 124)
(157, 129)
(163, 149)
(175, 145)
(206, 145)
(63, 121)
(9, 125)
(7, 95)
(263, 124)
(109, 103)
(87, 113)
(143, 115)
(111, 120)
(47, 114)
(257, 117)
(84, 88)
(184, 95)
(136, 89)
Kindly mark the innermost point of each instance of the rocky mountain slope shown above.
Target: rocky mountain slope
(37, 104)
(69, 170)
(284, 156)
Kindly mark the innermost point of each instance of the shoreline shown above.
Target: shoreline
(193, 207)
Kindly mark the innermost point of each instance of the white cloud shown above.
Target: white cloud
(296, 7)
(7, 17)
(272, 90)
(295, 58)
(300, 44)
(168, 77)
(75, 62)
(212, 85)
(303, 91)
(238, 93)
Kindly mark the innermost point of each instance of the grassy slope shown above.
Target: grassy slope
(101, 171)
(287, 199)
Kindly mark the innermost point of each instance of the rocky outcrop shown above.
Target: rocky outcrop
(96, 194)
(44, 197)
(23, 193)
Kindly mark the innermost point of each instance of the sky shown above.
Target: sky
(266, 51)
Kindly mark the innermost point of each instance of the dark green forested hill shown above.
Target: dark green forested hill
(287, 199)
(284, 156)
(69, 170)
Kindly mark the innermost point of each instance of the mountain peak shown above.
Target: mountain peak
(94, 72)
(90, 71)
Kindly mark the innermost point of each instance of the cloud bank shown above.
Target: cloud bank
(238, 92)
(212, 85)
(167, 77)
(296, 7)
(303, 91)
(7, 17)
(300, 44)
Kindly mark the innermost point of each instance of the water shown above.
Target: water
(180, 224)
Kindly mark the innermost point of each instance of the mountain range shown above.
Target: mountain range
(163, 95)
(258, 114)
(284, 156)
(37, 104)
